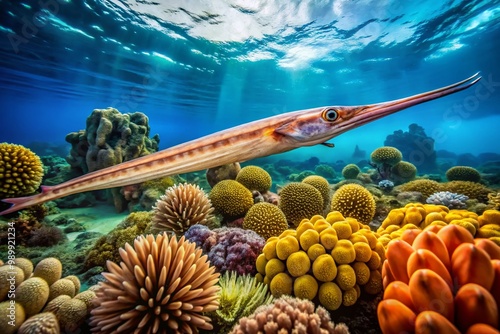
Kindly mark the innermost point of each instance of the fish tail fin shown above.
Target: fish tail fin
(19, 203)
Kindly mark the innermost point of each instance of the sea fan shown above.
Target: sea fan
(162, 286)
(182, 206)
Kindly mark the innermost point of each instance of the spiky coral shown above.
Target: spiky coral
(255, 178)
(266, 219)
(162, 286)
(182, 206)
(300, 200)
(21, 170)
(231, 199)
(354, 201)
(289, 315)
(239, 297)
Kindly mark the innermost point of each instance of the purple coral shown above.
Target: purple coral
(448, 199)
(228, 248)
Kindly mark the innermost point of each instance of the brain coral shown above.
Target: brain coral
(289, 315)
(162, 285)
(21, 170)
(255, 178)
(444, 280)
(350, 171)
(463, 173)
(425, 186)
(322, 185)
(386, 155)
(300, 200)
(266, 219)
(182, 206)
(231, 199)
(355, 201)
(323, 259)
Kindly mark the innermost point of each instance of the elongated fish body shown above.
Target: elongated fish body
(256, 139)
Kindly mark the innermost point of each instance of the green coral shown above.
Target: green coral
(239, 296)
(322, 185)
(350, 171)
(355, 201)
(386, 155)
(326, 171)
(231, 199)
(106, 247)
(424, 186)
(266, 219)
(255, 178)
(300, 200)
(404, 171)
(463, 173)
(21, 170)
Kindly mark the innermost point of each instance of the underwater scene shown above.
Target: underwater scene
(235, 166)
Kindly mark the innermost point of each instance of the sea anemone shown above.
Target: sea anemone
(162, 286)
(182, 206)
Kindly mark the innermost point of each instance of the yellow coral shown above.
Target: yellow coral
(386, 155)
(322, 185)
(254, 178)
(353, 200)
(281, 284)
(363, 251)
(266, 219)
(328, 238)
(300, 200)
(349, 297)
(305, 287)
(334, 216)
(346, 277)
(308, 238)
(463, 173)
(424, 186)
(269, 249)
(273, 267)
(32, 294)
(489, 217)
(315, 250)
(343, 252)
(260, 263)
(343, 229)
(374, 284)
(230, 198)
(375, 260)
(330, 296)
(324, 268)
(21, 170)
(298, 263)
(470, 189)
(286, 246)
(362, 272)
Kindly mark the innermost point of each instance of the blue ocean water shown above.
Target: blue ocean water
(196, 67)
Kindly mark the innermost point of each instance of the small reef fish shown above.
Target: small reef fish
(256, 139)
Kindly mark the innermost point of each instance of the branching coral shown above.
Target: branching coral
(289, 315)
(182, 206)
(162, 285)
(450, 200)
(239, 296)
(21, 170)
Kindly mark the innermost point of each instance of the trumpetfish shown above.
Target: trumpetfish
(275, 134)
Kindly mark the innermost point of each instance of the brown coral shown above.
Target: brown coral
(182, 206)
(162, 286)
(289, 315)
(424, 186)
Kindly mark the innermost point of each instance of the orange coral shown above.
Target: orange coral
(440, 282)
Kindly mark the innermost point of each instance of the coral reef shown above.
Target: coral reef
(107, 247)
(353, 200)
(329, 260)
(470, 189)
(442, 280)
(322, 185)
(161, 285)
(182, 206)
(266, 219)
(350, 171)
(255, 178)
(450, 200)
(289, 315)
(494, 200)
(463, 173)
(231, 199)
(239, 296)
(21, 171)
(416, 147)
(110, 138)
(300, 200)
(228, 248)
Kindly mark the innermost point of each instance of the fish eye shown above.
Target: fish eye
(330, 115)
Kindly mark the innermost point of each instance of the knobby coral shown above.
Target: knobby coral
(355, 201)
(445, 280)
(21, 170)
(182, 206)
(162, 285)
(289, 315)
